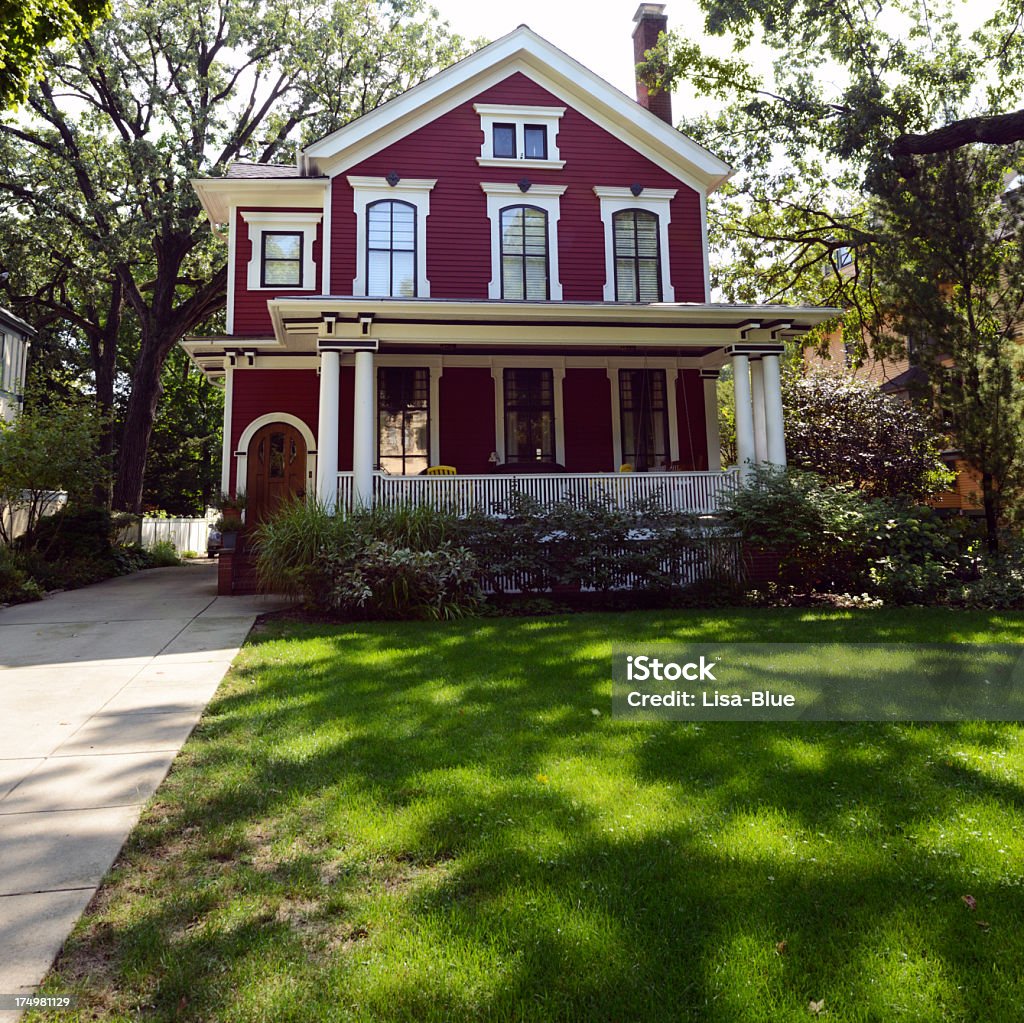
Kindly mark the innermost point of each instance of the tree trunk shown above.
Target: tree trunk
(990, 500)
(138, 424)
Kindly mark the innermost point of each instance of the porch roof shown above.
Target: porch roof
(699, 330)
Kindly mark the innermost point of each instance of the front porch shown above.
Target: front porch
(697, 493)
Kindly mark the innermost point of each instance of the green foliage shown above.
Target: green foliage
(102, 229)
(28, 26)
(42, 452)
(16, 585)
(164, 554)
(850, 433)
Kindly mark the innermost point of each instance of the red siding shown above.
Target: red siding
(587, 401)
(458, 230)
(693, 436)
(251, 316)
(467, 419)
(257, 392)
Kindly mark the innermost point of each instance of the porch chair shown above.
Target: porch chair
(625, 467)
(441, 470)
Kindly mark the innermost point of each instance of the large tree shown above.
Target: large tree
(926, 248)
(28, 26)
(95, 201)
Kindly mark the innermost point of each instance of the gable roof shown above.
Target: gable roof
(524, 51)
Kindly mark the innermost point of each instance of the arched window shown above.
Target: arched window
(391, 249)
(524, 253)
(637, 256)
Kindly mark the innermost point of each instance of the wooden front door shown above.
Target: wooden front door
(275, 470)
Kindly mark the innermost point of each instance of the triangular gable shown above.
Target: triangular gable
(526, 52)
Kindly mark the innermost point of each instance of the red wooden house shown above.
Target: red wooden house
(502, 271)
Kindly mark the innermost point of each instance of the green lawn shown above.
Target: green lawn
(428, 822)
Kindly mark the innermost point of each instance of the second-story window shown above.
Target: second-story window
(637, 256)
(524, 253)
(281, 259)
(535, 142)
(391, 249)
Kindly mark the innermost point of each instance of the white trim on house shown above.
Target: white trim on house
(415, 192)
(260, 222)
(216, 194)
(229, 319)
(671, 368)
(519, 116)
(242, 452)
(524, 51)
(502, 194)
(704, 245)
(652, 200)
(325, 248)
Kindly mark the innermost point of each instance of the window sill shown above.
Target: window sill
(490, 161)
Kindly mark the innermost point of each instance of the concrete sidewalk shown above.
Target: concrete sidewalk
(99, 688)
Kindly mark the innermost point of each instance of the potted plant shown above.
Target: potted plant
(228, 525)
(232, 504)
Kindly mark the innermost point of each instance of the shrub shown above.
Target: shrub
(16, 586)
(382, 580)
(164, 554)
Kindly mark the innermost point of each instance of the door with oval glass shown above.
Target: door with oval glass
(275, 470)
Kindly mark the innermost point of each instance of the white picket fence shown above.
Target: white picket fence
(185, 534)
(699, 493)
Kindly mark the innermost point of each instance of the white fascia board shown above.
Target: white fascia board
(523, 50)
(218, 194)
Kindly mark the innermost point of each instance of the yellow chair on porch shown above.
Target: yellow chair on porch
(625, 467)
(441, 470)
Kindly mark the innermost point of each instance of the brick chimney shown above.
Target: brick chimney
(650, 22)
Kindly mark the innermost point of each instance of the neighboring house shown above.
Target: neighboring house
(902, 377)
(503, 271)
(14, 344)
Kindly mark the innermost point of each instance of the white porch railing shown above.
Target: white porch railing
(695, 492)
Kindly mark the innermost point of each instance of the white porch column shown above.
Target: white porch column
(327, 430)
(714, 440)
(362, 431)
(227, 448)
(745, 453)
(757, 394)
(774, 420)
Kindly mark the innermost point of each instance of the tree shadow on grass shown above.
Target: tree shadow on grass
(406, 823)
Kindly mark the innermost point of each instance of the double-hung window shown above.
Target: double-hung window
(391, 249)
(524, 253)
(637, 256)
(529, 415)
(403, 419)
(643, 414)
(281, 259)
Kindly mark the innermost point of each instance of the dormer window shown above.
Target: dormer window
(282, 249)
(519, 136)
(281, 262)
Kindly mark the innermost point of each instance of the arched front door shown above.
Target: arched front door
(275, 470)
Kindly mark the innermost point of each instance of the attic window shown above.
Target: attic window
(520, 136)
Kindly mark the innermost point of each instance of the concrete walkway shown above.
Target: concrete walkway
(99, 688)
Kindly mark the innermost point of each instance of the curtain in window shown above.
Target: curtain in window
(637, 256)
(391, 249)
(524, 253)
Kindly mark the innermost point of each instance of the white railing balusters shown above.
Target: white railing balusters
(696, 492)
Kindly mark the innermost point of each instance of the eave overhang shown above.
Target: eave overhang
(218, 195)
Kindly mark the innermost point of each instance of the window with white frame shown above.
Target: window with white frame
(524, 240)
(636, 223)
(282, 249)
(391, 249)
(524, 253)
(391, 235)
(637, 256)
(519, 136)
(643, 419)
(403, 419)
